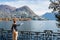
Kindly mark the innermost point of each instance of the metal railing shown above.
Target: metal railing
(29, 35)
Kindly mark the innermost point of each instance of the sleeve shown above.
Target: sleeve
(17, 24)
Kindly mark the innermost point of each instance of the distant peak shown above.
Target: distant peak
(25, 6)
(7, 6)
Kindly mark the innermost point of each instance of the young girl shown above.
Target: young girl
(14, 30)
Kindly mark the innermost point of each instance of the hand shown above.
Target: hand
(21, 23)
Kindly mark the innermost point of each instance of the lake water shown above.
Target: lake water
(37, 26)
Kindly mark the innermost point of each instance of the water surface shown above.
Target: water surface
(37, 26)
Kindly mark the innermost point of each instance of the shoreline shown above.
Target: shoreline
(18, 19)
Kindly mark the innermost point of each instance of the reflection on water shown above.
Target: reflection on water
(37, 26)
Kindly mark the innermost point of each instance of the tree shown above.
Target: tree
(55, 5)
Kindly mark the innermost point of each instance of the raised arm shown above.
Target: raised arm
(19, 24)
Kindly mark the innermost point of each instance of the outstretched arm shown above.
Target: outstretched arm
(19, 24)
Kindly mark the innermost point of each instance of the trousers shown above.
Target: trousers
(15, 35)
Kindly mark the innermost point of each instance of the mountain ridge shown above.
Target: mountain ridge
(21, 12)
(49, 16)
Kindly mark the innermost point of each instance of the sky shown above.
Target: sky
(39, 7)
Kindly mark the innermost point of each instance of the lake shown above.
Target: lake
(37, 26)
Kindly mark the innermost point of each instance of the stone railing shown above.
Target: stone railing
(30, 35)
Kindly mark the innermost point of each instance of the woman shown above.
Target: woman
(14, 30)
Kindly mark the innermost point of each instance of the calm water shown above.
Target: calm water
(38, 26)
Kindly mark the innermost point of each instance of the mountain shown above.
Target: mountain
(49, 16)
(26, 9)
(22, 12)
(5, 10)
